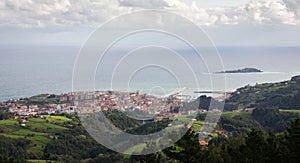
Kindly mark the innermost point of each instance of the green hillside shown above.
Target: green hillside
(283, 95)
(38, 130)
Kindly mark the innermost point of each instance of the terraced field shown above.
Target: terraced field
(38, 130)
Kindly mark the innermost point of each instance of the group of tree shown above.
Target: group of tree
(255, 146)
(14, 148)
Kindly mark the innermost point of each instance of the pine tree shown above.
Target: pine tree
(293, 139)
(255, 149)
(187, 149)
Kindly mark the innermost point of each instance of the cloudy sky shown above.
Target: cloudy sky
(227, 22)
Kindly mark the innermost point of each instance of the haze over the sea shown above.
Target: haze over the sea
(30, 70)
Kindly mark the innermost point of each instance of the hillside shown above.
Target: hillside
(37, 132)
(283, 95)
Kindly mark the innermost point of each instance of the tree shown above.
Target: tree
(214, 154)
(255, 148)
(276, 148)
(187, 149)
(293, 139)
(5, 159)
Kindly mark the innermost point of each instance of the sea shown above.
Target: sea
(30, 70)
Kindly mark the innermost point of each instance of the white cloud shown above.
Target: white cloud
(148, 4)
(41, 13)
(266, 12)
(254, 12)
(45, 13)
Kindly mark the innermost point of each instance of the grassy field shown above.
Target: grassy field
(52, 118)
(293, 111)
(232, 114)
(184, 117)
(12, 136)
(42, 99)
(38, 130)
(197, 125)
(25, 132)
(9, 122)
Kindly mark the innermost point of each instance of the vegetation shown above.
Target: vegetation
(4, 115)
(71, 143)
(256, 146)
(42, 99)
(6, 159)
(283, 95)
(271, 133)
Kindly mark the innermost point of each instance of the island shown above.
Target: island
(245, 70)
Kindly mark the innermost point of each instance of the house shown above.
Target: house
(250, 110)
(23, 121)
(203, 143)
(220, 132)
(63, 98)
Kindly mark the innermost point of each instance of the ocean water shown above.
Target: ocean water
(27, 71)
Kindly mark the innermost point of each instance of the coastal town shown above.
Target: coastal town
(93, 102)
(88, 102)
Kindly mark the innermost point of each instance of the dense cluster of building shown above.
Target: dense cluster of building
(19, 107)
(89, 102)
(86, 102)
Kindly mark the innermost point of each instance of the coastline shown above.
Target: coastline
(233, 82)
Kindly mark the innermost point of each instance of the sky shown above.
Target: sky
(227, 22)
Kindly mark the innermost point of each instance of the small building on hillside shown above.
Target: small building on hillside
(203, 143)
(220, 132)
(250, 110)
(63, 98)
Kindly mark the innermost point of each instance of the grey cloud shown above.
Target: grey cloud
(294, 6)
